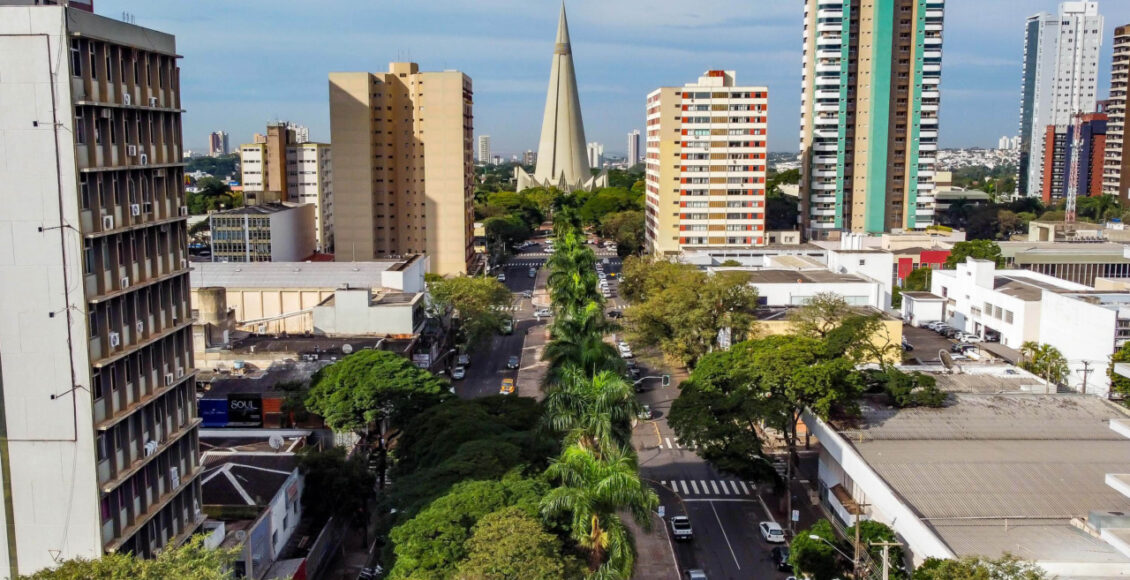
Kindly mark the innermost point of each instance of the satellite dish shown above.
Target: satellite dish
(276, 442)
(347, 348)
(241, 535)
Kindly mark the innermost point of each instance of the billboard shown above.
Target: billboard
(245, 410)
(213, 412)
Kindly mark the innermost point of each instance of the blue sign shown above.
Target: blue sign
(214, 412)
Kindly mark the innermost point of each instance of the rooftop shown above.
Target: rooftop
(992, 473)
(801, 277)
(330, 275)
(262, 209)
(922, 295)
(244, 479)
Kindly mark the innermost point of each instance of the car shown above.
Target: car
(528, 294)
(533, 272)
(973, 339)
(606, 260)
(695, 574)
(935, 325)
(634, 373)
(507, 326)
(771, 532)
(463, 360)
(626, 353)
(512, 362)
(622, 344)
(603, 277)
(507, 387)
(681, 528)
(615, 314)
(958, 347)
(501, 276)
(645, 412)
(780, 556)
(543, 312)
(458, 373)
(906, 345)
(632, 364)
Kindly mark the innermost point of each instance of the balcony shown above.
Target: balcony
(186, 481)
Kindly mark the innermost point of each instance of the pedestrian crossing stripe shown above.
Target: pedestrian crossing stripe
(719, 487)
(676, 444)
(511, 308)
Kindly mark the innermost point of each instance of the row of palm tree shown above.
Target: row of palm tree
(591, 406)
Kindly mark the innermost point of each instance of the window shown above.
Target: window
(84, 191)
(1008, 316)
(93, 61)
(76, 58)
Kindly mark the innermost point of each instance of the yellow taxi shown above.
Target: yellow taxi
(507, 387)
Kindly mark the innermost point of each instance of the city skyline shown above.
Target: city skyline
(983, 51)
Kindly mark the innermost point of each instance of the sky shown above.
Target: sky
(249, 62)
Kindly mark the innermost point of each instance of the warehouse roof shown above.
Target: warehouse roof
(330, 275)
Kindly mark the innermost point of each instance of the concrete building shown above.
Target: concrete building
(706, 155)
(1083, 163)
(869, 115)
(595, 152)
(217, 143)
(1061, 60)
(1117, 160)
(784, 280)
(403, 165)
(1080, 262)
(1086, 327)
(996, 470)
(562, 161)
(271, 232)
(484, 150)
(529, 158)
(633, 149)
(100, 451)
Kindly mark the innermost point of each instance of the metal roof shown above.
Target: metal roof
(331, 275)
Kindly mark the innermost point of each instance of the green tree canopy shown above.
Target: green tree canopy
(817, 557)
(1006, 567)
(509, 544)
(978, 249)
(1119, 383)
(479, 303)
(594, 412)
(190, 560)
(349, 477)
(1044, 361)
(871, 531)
(918, 280)
(627, 228)
(605, 201)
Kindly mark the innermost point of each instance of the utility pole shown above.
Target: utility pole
(1086, 370)
(886, 556)
(857, 561)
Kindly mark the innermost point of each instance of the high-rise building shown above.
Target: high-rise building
(484, 149)
(1085, 144)
(217, 143)
(706, 158)
(100, 450)
(562, 161)
(1116, 167)
(869, 115)
(301, 133)
(1003, 142)
(270, 232)
(281, 168)
(633, 148)
(529, 157)
(403, 180)
(1061, 60)
(595, 154)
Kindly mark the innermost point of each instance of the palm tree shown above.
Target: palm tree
(1044, 360)
(578, 341)
(592, 490)
(594, 412)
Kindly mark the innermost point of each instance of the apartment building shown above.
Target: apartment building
(484, 149)
(595, 153)
(705, 175)
(217, 143)
(633, 149)
(271, 232)
(281, 167)
(100, 451)
(1061, 60)
(1082, 168)
(404, 172)
(1116, 163)
(869, 115)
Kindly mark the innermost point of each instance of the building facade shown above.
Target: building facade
(706, 164)
(1117, 162)
(100, 451)
(1061, 60)
(270, 232)
(595, 154)
(633, 149)
(484, 149)
(1085, 145)
(217, 143)
(398, 188)
(869, 115)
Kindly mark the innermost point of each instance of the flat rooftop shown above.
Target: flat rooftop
(995, 473)
(917, 295)
(801, 277)
(261, 209)
(331, 275)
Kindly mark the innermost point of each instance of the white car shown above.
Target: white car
(972, 338)
(502, 277)
(771, 532)
(458, 373)
(543, 312)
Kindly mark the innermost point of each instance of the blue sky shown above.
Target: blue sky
(248, 62)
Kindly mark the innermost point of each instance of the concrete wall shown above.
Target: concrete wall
(351, 314)
(877, 266)
(256, 303)
(1082, 332)
(793, 293)
(409, 278)
(293, 235)
(286, 510)
(919, 312)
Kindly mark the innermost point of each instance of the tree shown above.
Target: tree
(371, 392)
(1009, 223)
(627, 228)
(918, 280)
(606, 201)
(545, 199)
(509, 545)
(1006, 567)
(1044, 360)
(479, 302)
(1119, 383)
(592, 491)
(912, 390)
(578, 342)
(189, 560)
(871, 531)
(823, 313)
(817, 557)
(348, 477)
(977, 249)
(593, 412)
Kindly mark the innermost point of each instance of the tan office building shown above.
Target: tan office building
(100, 448)
(403, 164)
(705, 165)
(1116, 162)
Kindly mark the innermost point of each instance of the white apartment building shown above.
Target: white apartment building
(1060, 78)
(595, 153)
(484, 149)
(100, 451)
(706, 162)
(633, 148)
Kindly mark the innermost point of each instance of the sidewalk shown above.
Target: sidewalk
(531, 369)
(655, 558)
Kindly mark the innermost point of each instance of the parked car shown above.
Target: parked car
(695, 574)
(533, 272)
(771, 532)
(463, 360)
(645, 412)
(512, 362)
(458, 373)
(627, 353)
(958, 347)
(615, 314)
(501, 276)
(528, 294)
(634, 373)
(972, 338)
(543, 312)
(507, 387)
(681, 528)
(906, 345)
(780, 556)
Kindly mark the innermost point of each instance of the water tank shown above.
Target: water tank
(212, 305)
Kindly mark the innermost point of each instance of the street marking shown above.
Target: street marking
(735, 485)
(705, 489)
(714, 485)
(726, 536)
(668, 440)
(684, 484)
(768, 513)
(723, 499)
(725, 490)
(746, 489)
(693, 486)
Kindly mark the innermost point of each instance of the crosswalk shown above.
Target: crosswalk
(524, 263)
(711, 487)
(669, 443)
(511, 308)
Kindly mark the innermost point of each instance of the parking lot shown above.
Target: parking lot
(926, 343)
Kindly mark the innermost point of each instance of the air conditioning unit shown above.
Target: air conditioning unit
(152, 101)
(106, 113)
(127, 99)
(115, 340)
(124, 282)
(143, 159)
(169, 378)
(180, 372)
(135, 209)
(140, 327)
(131, 150)
(184, 211)
(150, 448)
(183, 264)
(174, 475)
(107, 222)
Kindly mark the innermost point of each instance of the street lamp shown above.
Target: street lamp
(833, 546)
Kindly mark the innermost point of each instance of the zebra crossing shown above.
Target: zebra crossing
(512, 308)
(669, 443)
(525, 264)
(712, 487)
